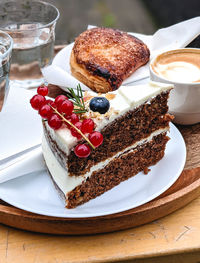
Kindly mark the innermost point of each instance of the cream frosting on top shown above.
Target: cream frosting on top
(122, 100)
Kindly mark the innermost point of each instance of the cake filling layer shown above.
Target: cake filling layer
(67, 183)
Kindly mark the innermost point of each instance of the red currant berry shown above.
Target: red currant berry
(42, 90)
(55, 122)
(45, 111)
(37, 101)
(82, 150)
(59, 99)
(52, 103)
(67, 124)
(74, 132)
(74, 118)
(66, 107)
(96, 138)
(87, 126)
(48, 101)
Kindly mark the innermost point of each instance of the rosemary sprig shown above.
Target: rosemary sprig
(77, 99)
(71, 124)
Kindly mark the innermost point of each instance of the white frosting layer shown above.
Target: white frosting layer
(60, 175)
(126, 98)
(63, 138)
(137, 95)
(67, 183)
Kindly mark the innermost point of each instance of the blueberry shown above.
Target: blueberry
(99, 104)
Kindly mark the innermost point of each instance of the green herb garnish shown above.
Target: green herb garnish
(77, 99)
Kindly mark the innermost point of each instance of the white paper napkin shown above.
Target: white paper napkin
(21, 126)
(20, 129)
(31, 162)
(176, 36)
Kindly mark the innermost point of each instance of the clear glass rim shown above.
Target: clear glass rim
(40, 27)
(8, 51)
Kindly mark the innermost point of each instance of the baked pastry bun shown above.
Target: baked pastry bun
(103, 57)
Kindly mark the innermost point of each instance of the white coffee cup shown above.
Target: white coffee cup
(184, 100)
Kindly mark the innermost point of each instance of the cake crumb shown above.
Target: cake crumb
(146, 170)
(110, 96)
(87, 97)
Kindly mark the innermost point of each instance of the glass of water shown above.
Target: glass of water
(6, 44)
(31, 24)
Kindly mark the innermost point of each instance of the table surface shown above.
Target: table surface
(174, 238)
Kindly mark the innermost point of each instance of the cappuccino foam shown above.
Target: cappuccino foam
(178, 66)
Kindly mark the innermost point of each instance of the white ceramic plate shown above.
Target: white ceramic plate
(36, 193)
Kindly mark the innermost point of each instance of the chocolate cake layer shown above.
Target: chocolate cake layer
(118, 170)
(121, 133)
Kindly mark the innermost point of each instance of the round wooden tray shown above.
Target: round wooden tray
(185, 189)
(181, 193)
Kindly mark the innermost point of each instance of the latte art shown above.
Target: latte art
(179, 67)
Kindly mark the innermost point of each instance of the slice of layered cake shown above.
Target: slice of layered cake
(128, 129)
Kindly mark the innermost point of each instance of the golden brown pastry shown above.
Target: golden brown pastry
(103, 57)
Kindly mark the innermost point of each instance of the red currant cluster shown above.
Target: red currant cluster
(59, 112)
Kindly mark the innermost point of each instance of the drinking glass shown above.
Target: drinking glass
(6, 44)
(31, 24)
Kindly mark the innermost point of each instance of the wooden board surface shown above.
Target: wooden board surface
(186, 188)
